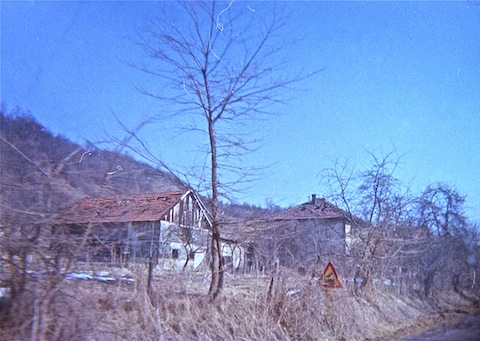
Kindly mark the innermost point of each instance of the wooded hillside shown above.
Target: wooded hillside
(42, 174)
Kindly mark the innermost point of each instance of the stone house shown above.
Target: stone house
(314, 232)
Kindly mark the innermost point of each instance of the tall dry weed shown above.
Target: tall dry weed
(286, 306)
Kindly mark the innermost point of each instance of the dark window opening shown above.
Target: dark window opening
(175, 253)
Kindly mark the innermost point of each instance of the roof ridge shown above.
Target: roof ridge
(138, 195)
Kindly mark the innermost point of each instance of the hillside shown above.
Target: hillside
(42, 173)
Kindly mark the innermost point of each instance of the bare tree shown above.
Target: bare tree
(378, 207)
(441, 209)
(35, 255)
(218, 67)
(423, 244)
(450, 261)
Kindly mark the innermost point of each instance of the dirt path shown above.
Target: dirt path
(440, 327)
(451, 327)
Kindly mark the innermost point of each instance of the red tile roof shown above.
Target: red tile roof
(321, 209)
(139, 207)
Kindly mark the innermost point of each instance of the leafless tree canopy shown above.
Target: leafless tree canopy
(218, 65)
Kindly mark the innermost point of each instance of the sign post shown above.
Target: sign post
(329, 281)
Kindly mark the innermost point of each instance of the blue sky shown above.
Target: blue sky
(397, 75)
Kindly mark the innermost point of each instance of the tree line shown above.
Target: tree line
(414, 242)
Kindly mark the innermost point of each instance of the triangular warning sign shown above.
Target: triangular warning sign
(329, 278)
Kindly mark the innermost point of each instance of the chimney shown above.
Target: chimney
(314, 198)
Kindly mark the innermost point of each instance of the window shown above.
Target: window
(348, 229)
(175, 253)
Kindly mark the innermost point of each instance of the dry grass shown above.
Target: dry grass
(178, 309)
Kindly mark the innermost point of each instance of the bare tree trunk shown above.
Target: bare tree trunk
(186, 260)
(153, 257)
(150, 274)
(216, 283)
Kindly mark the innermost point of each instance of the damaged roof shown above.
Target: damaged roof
(127, 208)
(317, 208)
